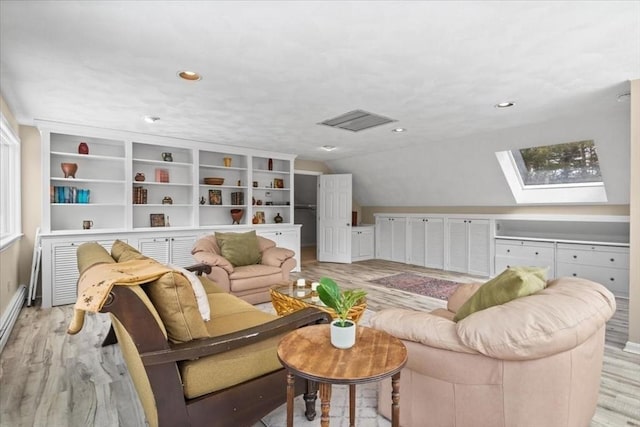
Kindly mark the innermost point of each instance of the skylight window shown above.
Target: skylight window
(561, 173)
(570, 163)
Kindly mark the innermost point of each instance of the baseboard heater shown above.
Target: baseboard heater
(10, 315)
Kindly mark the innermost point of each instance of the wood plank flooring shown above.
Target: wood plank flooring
(48, 378)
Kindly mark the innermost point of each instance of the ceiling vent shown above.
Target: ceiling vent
(357, 120)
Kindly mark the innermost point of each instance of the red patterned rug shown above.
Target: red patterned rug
(422, 285)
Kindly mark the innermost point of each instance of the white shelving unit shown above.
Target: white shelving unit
(109, 172)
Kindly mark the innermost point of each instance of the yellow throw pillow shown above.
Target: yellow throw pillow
(514, 282)
(239, 248)
(121, 252)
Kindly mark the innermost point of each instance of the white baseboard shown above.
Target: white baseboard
(10, 315)
(632, 347)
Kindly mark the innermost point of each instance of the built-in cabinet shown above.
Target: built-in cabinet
(592, 247)
(426, 242)
(159, 194)
(514, 252)
(391, 238)
(608, 265)
(362, 243)
(469, 248)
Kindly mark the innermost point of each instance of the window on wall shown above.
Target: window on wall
(10, 227)
(560, 173)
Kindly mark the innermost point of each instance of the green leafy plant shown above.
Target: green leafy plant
(340, 301)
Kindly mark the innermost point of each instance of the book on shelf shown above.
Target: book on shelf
(139, 195)
(162, 175)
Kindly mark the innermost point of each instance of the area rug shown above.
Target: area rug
(421, 285)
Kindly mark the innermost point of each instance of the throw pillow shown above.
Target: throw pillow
(121, 252)
(198, 290)
(512, 283)
(239, 248)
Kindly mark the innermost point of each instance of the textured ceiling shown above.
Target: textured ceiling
(273, 70)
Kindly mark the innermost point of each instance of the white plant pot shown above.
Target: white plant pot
(343, 337)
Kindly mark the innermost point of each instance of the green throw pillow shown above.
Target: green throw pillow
(514, 282)
(239, 248)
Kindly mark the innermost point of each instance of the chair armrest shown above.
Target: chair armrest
(210, 346)
(214, 260)
(420, 327)
(199, 269)
(276, 256)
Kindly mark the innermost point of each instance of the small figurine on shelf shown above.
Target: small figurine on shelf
(202, 200)
(139, 177)
(83, 148)
(167, 200)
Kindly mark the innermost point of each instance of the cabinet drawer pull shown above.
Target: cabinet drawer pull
(508, 250)
(612, 279)
(575, 257)
(574, 274)
(612, 260)
(536, 253)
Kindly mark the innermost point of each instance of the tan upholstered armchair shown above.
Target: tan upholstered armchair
(189, 371)
(250, 282)
(533, 361)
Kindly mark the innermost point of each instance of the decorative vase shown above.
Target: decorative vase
(236, 215)
(167, 157)
(139, 177)
(227, 161)
(69, 169)
(343, 337)
(83, 148)
(277, 219)
(270, 164)
(167, 200)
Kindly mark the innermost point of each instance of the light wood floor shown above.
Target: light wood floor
(48, 378)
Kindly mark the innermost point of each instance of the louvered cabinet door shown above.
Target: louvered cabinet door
(65, 273)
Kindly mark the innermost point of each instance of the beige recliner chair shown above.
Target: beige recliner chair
(533, 361)
(249, 282)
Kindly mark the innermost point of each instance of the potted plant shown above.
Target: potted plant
(343, 330)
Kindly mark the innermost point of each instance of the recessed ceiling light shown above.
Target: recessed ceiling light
(151, 119)
(189, 75)
(505, 105)
(328, 147)
(398, 130)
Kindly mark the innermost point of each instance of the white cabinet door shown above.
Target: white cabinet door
(362, 243)
(156, 248)
(61, 287)
(458, 245)
(384, 238)
(181, 250)
(399, 239)
(469, 246)
(435, 243)
(417, 233)
(426, 242)
(479, 247)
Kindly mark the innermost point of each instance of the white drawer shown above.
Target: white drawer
(502, 263)
(604, 256)
(614, 279)
(525, 249)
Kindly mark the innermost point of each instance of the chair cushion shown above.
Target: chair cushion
(239, 248)
(512, 283)
(256, 276)
(221, 371)
(121, 252)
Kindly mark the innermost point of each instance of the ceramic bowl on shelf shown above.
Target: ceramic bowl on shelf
(214, 181)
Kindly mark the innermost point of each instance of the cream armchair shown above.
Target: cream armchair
(533, 361)
(249, 282)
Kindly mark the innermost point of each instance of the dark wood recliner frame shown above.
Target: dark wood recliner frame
(240, 405)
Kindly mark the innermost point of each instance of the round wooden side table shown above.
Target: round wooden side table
(308, 353)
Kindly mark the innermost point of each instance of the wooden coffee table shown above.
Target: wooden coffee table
(308, 353)
(287, 297)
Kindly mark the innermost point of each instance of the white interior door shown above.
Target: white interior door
(334, 218)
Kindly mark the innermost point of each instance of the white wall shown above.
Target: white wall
(465, 172)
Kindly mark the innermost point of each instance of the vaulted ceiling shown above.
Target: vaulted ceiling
(273, 70)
